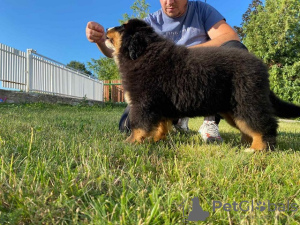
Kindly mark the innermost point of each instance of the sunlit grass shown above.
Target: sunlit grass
(70, 165)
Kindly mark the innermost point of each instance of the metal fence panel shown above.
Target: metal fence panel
(37, 73)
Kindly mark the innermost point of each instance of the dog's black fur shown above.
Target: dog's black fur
(166, 81)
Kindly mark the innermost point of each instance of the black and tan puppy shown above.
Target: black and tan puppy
(163, 81)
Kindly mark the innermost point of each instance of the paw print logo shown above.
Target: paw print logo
(261, 206)
(197, 213)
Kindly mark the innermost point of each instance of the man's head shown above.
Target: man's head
(174, 8)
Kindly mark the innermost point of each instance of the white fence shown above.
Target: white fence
(33, 72)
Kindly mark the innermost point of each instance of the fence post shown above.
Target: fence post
(29, 69)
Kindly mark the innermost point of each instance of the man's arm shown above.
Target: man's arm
(219, 33)
(105, 50)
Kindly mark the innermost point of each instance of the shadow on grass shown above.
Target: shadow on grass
(287, 141)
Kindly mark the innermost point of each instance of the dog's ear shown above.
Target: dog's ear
(137, 46)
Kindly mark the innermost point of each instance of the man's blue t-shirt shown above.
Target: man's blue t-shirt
(189, 29)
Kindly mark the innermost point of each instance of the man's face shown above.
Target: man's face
(174, 8)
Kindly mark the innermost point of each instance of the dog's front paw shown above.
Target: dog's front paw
(129, 139)
(136, 137)
(250, 150)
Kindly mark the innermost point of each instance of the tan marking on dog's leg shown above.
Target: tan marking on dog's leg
(229, 119)
(137, 135)
(245, 139)
(257, 138)
(163, 128)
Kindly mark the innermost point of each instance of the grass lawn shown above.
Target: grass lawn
(70, 165)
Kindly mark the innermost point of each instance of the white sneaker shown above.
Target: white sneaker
(209, 132)
(182, 124)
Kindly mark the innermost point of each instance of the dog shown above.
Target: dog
(163, 82)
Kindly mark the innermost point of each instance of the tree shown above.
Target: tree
(105, 68)
(252, 9)
(140, 10)
(79, 66)
(272, 32)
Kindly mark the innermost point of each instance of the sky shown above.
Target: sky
(56, 29)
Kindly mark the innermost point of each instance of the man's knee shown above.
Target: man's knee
(234, 44)
(124, 124)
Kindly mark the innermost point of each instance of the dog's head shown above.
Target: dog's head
(130, 39)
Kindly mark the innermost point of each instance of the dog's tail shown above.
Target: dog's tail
(284, 109)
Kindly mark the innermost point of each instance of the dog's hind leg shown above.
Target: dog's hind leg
(257, 137)
(229, 119)
(263, 137)
(245, 139)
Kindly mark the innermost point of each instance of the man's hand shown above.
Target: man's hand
(95, 33)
